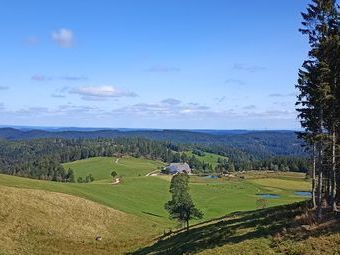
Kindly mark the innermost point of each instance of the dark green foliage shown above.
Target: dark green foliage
(70, 176)
(42, 158)
(197, 165)
(87, 179)
(181, 206)
(114, 174)
(198, 152)
(224, 165)
(319, 99)
(261, 144)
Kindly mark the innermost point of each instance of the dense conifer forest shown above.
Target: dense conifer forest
(42, 158)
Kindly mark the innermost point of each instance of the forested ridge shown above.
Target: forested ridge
(261, 143)
(42, 158)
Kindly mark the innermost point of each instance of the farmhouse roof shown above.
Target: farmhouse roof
(179, 168)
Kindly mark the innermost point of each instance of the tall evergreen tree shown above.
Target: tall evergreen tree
(319, 100)
(181, 206)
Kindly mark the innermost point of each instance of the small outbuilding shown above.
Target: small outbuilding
(175, 168)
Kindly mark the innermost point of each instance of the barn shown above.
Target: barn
(175, 168)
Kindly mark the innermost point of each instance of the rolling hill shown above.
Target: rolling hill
(266, 143)
(41, 222)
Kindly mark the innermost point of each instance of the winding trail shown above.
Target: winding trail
(155, 171)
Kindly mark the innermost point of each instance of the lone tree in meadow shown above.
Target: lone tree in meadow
(114, 174)
(181, 206)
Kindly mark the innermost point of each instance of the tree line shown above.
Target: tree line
(43, 158)
(318, 102)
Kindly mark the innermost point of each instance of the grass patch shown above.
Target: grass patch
(101, 167)
(209, 158)
(145, 196)
(42, 222)
(139, 198)
(252, 232)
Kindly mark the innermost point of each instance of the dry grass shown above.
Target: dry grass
(283, 184)
(42, 222)
(276, 230)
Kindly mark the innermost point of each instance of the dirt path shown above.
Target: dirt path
(155, 171)
(116, 182)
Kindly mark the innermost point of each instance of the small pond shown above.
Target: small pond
(269, 195)
(212, 177)
(303, 193)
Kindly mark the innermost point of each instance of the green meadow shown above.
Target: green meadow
(101, 167)
(209, 158)
(145, 195)
(142, 197)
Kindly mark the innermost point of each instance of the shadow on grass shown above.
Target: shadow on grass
(233, 228)
(152, 214)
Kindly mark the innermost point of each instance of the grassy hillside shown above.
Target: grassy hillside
(277, 230)
(145, 195)
(209, 158)
(42, 222)
(101, 167)
(140, 200)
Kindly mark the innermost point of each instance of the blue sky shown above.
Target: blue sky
(151, 64)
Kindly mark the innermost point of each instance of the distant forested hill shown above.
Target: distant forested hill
(261, 144)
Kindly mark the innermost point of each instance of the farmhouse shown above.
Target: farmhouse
(175, 168)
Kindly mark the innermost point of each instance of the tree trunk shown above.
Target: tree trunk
(314, 178)
(333, 174)
(319, 209)
(187, 225)
(320, 168)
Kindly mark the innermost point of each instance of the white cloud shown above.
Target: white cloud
(171, 101)
(64, 37)
(93, 93)
(166, 108)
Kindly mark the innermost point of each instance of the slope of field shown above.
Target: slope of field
(277, 230)
(142, 196)
(145, 195)
(209, 158)
(42, 222)
(139, 198)
(101, 167)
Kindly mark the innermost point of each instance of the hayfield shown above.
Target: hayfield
(101, 167)
(138, 200)
(209, 158)
(145, 195)
(43, 222)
